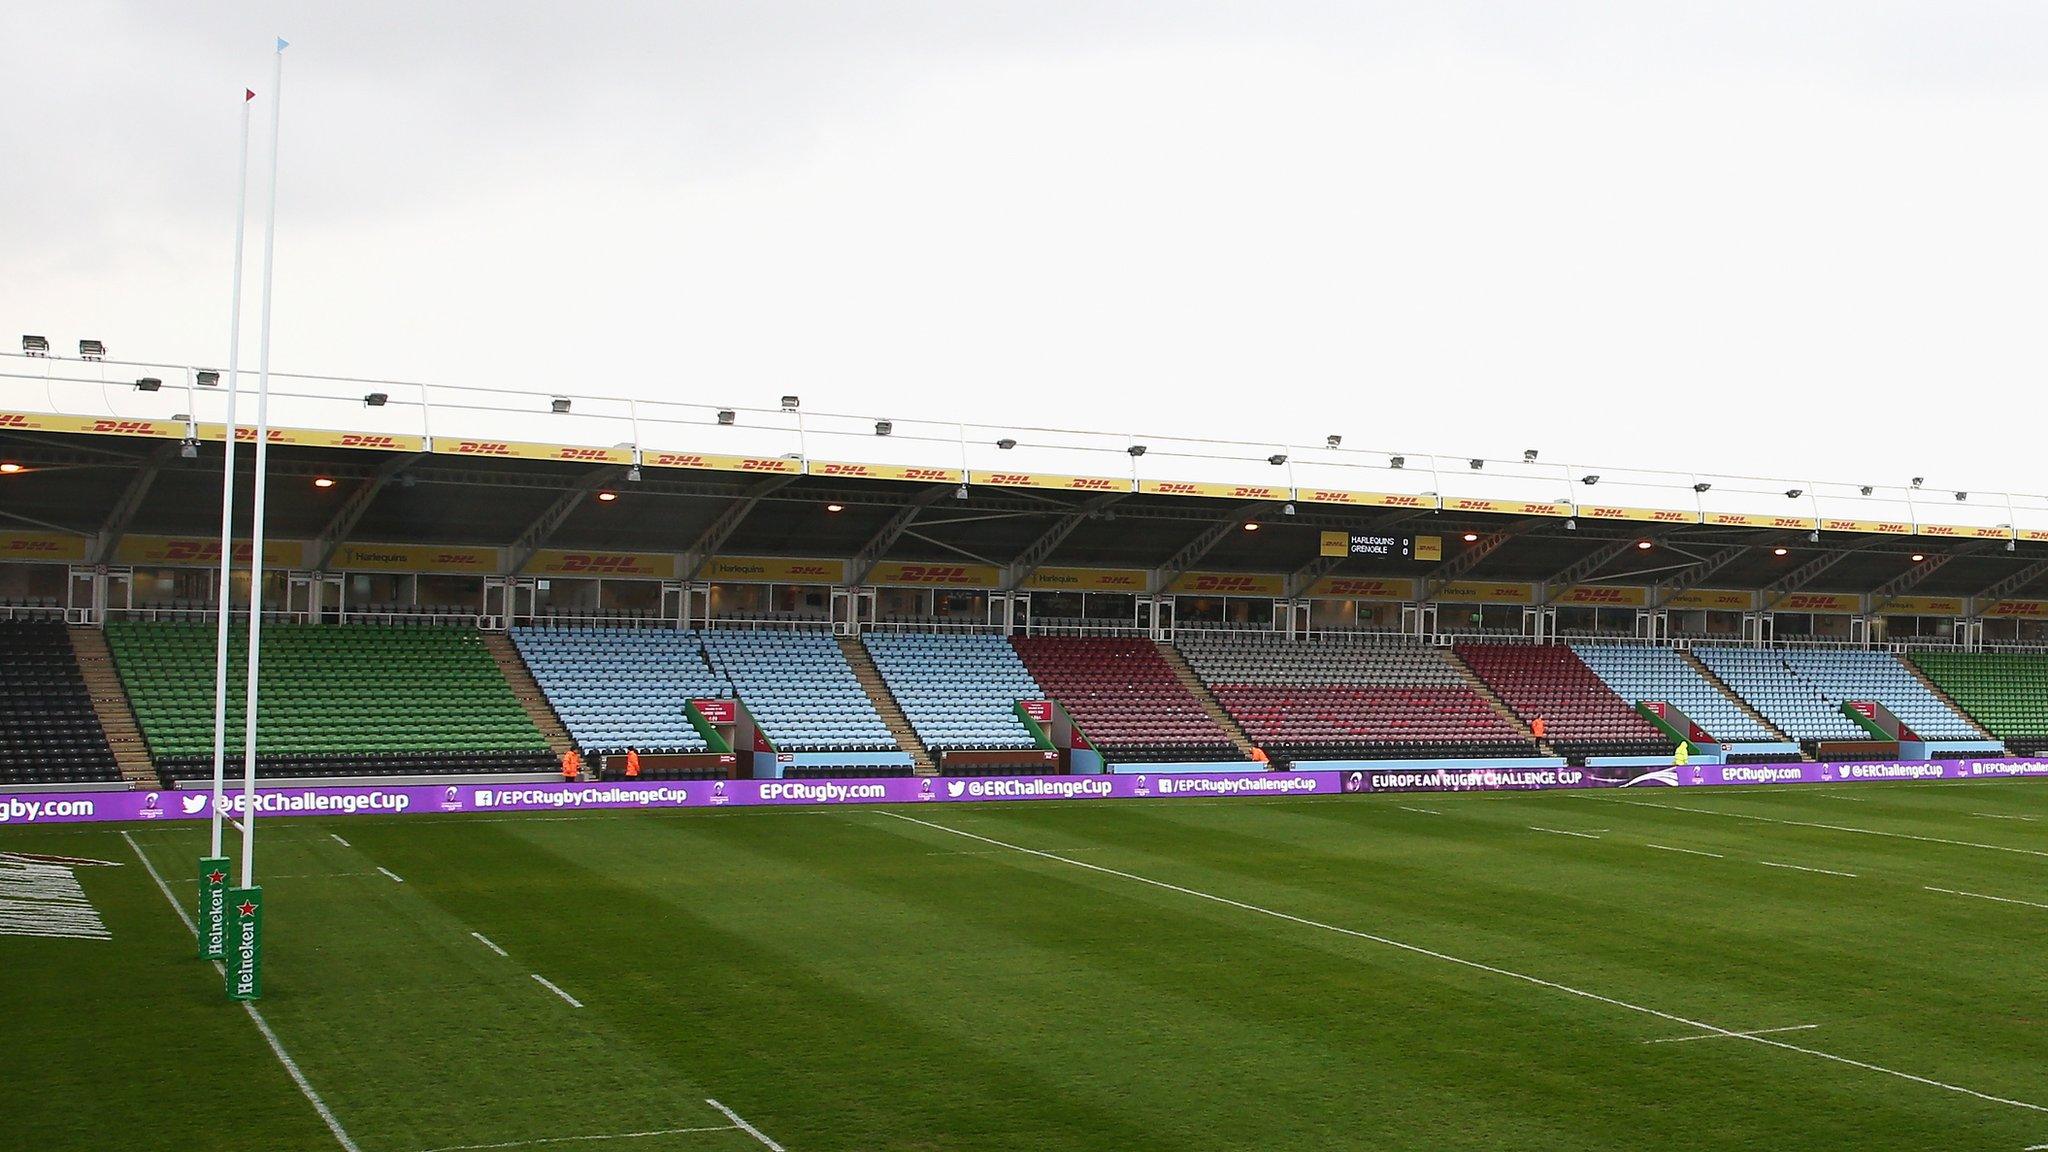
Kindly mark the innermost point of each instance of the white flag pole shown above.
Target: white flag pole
(256, 522)
(227, 493)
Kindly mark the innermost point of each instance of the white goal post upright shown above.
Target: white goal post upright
(213, 870)
(245, 946)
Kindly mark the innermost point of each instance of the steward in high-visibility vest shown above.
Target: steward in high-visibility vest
(1683, 754)
(572, 765)
(632, 763)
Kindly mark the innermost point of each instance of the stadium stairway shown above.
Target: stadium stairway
(1920, 674)
(1747, 709)
(1193, 683)
(877, 688)
(110, 705)
(527, 690)
(1500, 706)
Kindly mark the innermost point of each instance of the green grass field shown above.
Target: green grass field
(1442, 972)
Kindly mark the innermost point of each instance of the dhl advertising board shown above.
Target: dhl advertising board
(53, 547)
(1750, 520)
(1087, 580)
(1835, 602)
(1645, 515)
(848, 470)
(1923, 606)
(1361, 588)
(1603, 596)
(901, 574)
(320, 438)
(91, 425)
(1714, 599)
(1364, 499)
(522, 450)
(414, 558)
(770, 465)
(1486, 592)
(589, 562)
(2018, 610)
(1227, 491)
(203, 552)
(1507, 507)
(1877, 527)
(1229, 584)
(775, 570)
(1048, 480)
(1965, 532)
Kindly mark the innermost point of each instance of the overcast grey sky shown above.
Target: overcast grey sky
(1802, 239)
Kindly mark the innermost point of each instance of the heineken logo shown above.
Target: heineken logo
(216, 877)
(247, 908)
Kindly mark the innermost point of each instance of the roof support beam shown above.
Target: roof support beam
(544, 526)
(2009, 585)
(1563, 580)
(1464, 562)
(116, 524)
(892, 530)
(351, 511)
(715, 535)
(1035, 553)
(1704, 570)
(1906, 581)
(1800, 577)
(1191, 553)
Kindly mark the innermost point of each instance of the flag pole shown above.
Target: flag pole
(244, 969)
(213, 870)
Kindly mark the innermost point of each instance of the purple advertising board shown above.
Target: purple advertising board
(19, 808)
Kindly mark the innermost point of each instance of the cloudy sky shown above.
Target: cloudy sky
(1787, 238)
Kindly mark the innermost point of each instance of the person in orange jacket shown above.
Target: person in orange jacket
(572, 766)
(632, 763)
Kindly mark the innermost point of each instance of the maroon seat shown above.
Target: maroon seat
(1581, 713)
(1125, 697)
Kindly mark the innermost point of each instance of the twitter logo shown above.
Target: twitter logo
(193, 805)
(954, 788)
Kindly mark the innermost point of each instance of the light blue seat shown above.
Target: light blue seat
(959, 691)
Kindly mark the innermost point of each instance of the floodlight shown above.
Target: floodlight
(633, 474)
(1476, 463)
(1867, 489)
(1919, 480)
(1794, 493)
(884, 427)
(206, 378)
(35, 345)
(789, 403)
(559, 404)
(725, 416)
(91, 350)
(1277, 459)
(149, 384)
(1962, 495)
(1006, 443)
(1529, 455)
(1287, 509)
(376, 399)
(1333, 441)
(1136, 449)
(1592, 479)
(1702, 486)
(1397, 462)
(189, 449)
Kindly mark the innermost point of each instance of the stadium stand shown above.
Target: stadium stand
(1639, 672)
(1125, 698)
(1801, 690)
(959, 692)
(1361, 697)
(2007, 692)
(49, 733)
(338, 700)
(1583, 716)
(799, 688)
(620, 688)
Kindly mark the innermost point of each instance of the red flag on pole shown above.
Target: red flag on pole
(248, 94)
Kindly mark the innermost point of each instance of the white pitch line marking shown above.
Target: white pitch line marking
(396, 878)
(1996, 816)
(481, 939)
(291, 1066)
(1424, 811)
(550, 986)
(1562, 832)
(1687, 851)
(339, 840)
(580, 1139)
(1719, 1036)
(1817, 824)
(1479, 966)
(743, 1126)
(1804, 868)
(1982, 896)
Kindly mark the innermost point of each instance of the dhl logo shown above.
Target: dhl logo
(198, 550)
(456, 558)
(1174, 488)
(601, 564)
(1223, 584)
(676, 460)
(1255, 493)
(926, 474)
(754, 464)
(1320, 496)
(1941, 530)
(1599, 596)
(274, 436)
(583, 453)
(1365, 588)
(482, 448)
(1473, 505)
(1666, 516)
(1797, 602)
(358, 440)
(13, 420)
(1011, 478)
(846, 470)
(2020, 608)
(123, 427)
(31, 546)
(1092, 484)
(932, 574)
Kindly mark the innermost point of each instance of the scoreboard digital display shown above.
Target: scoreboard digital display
(1382, 545)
